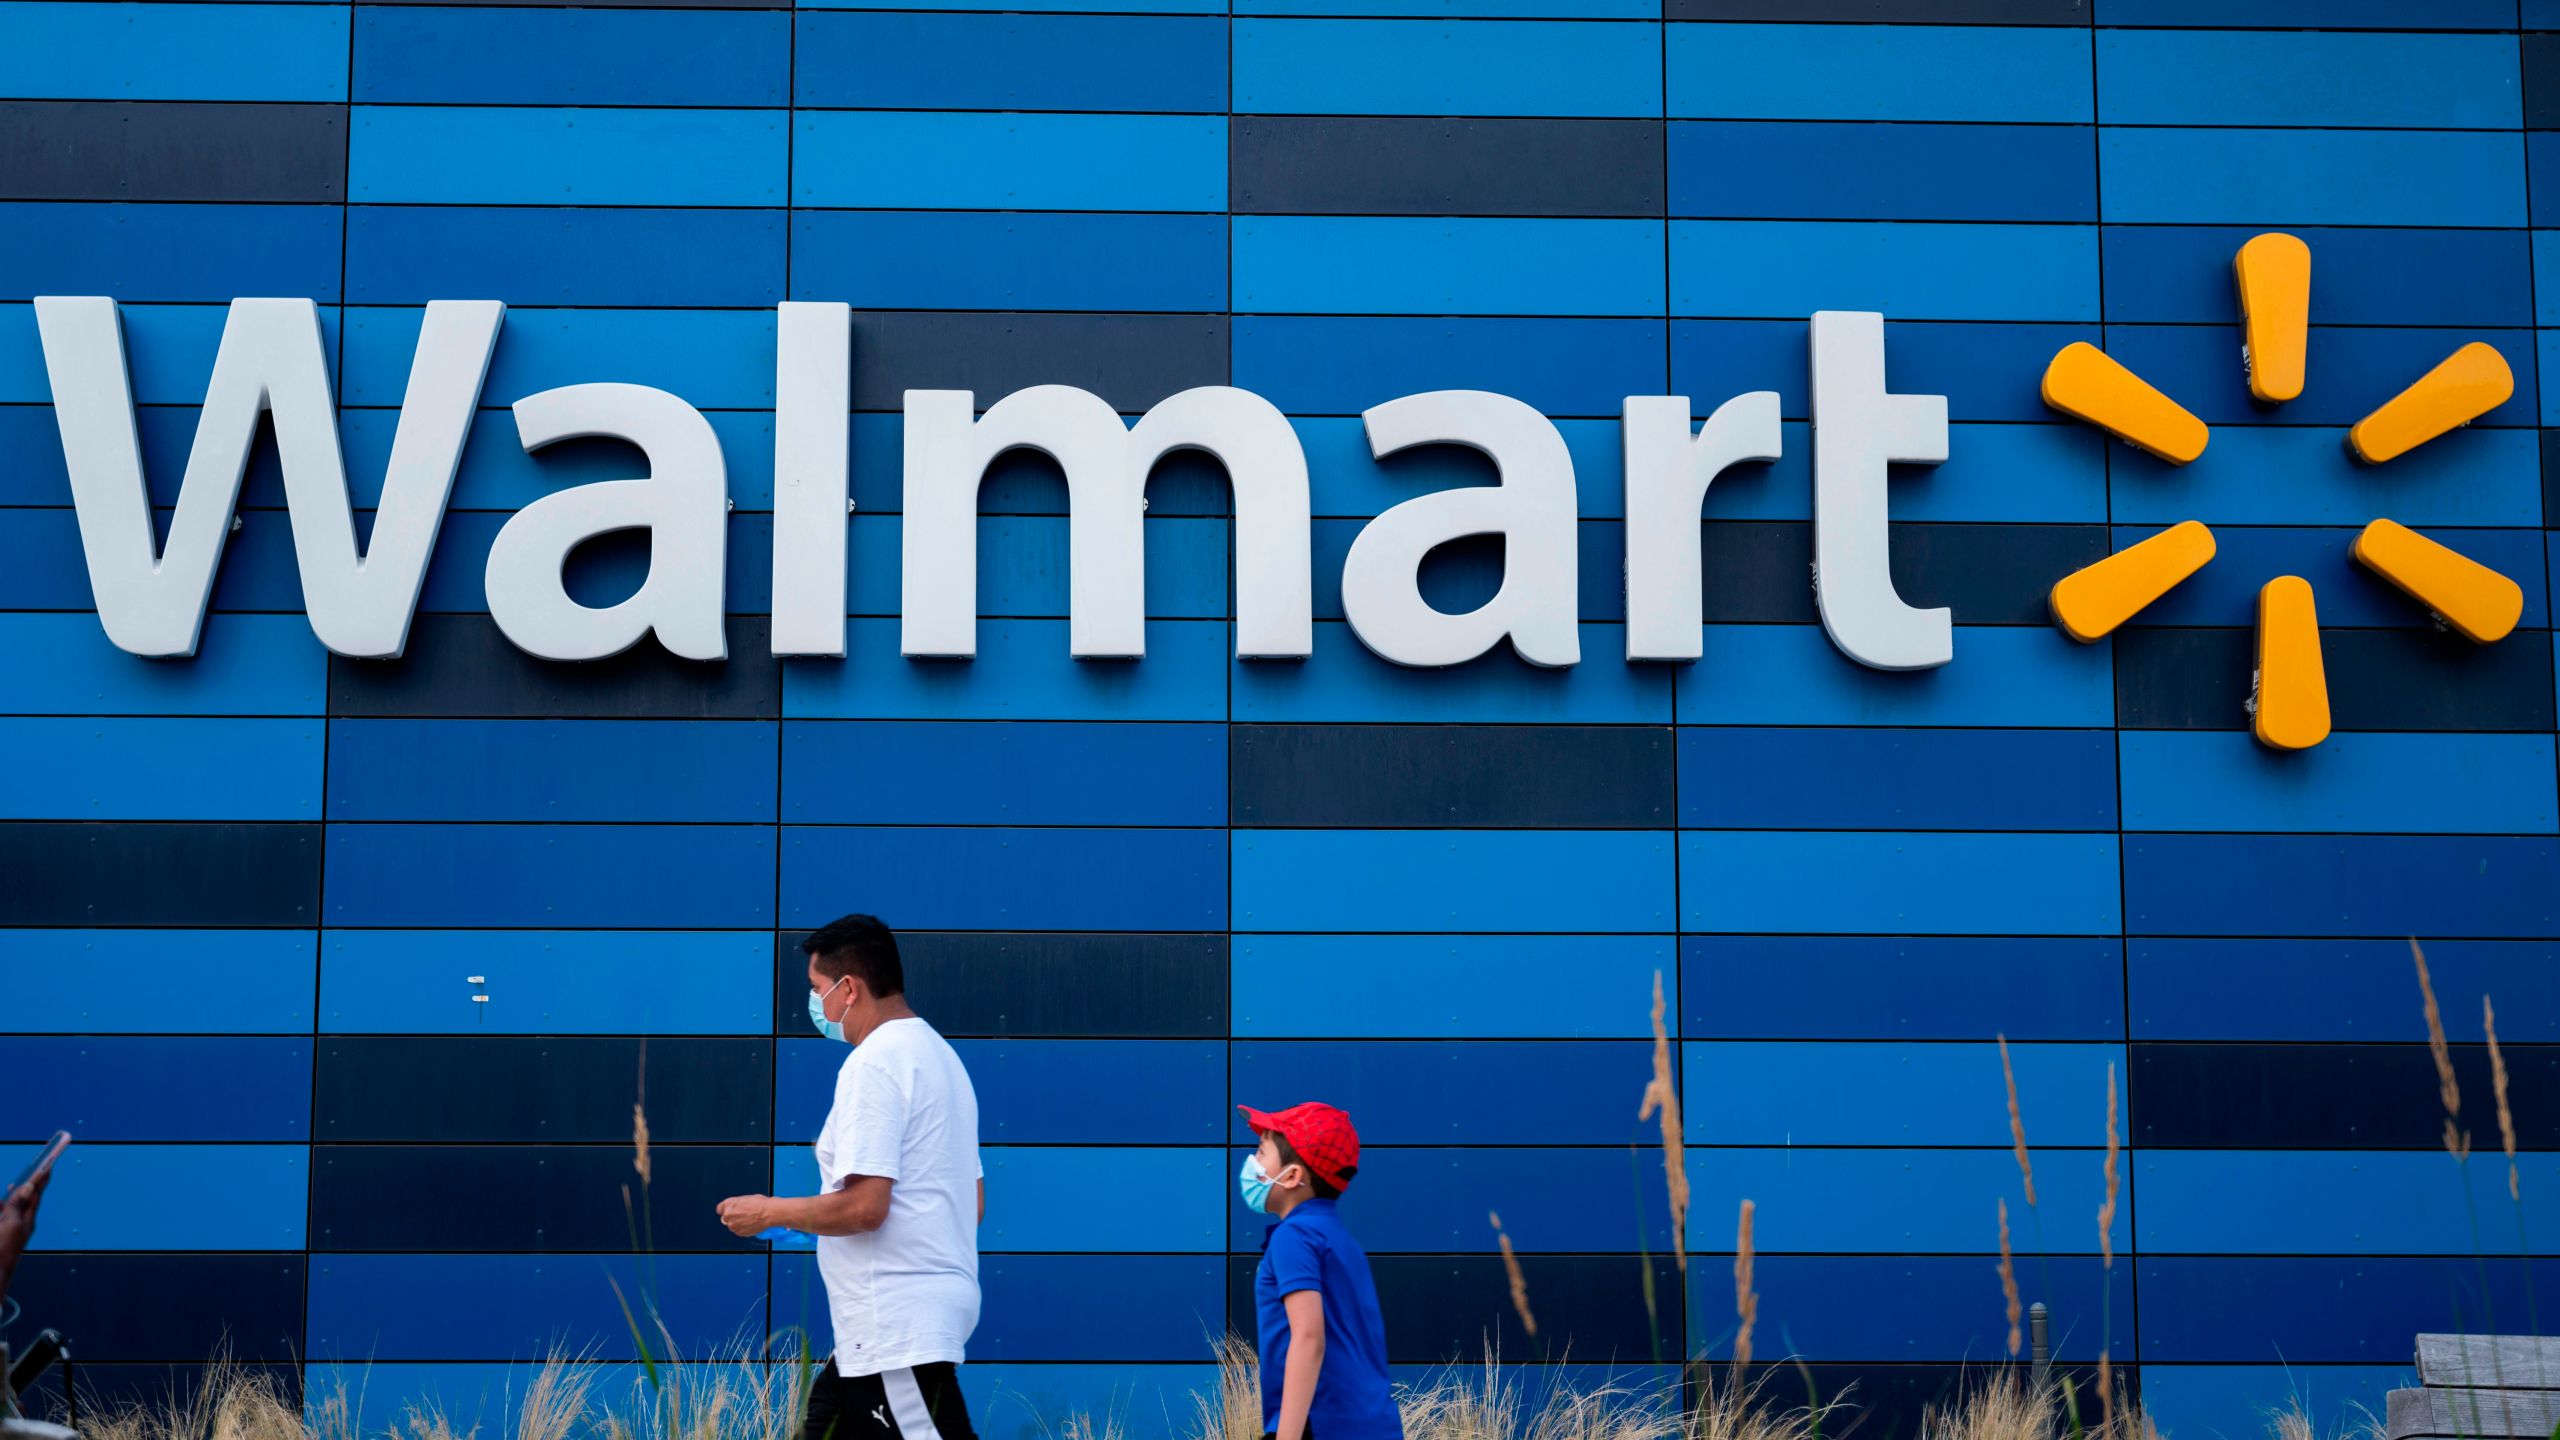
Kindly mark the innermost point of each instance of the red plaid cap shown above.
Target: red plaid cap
(1320, 1133)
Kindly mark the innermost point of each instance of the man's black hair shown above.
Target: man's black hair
(859, 946)
(1325, 1189)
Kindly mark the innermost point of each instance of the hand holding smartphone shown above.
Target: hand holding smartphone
(43, 1162)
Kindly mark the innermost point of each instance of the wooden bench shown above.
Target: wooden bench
(2479, 1387)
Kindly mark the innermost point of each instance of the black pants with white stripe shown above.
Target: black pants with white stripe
(919, 1404)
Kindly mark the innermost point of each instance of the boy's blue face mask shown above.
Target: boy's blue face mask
(832, 1029)
(1255, 1185)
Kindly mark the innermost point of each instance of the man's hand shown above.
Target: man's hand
(748, 1215)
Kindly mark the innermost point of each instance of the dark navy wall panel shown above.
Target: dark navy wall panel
(562, 1199)
(2279, 989)
(2346, 1096)
(553, 1089)
(460, 665)
(1451, 775)
(154, 874)
(172, 150)
(2350, 885)
(249, 1304)
(1397, 165)
(1024, 984)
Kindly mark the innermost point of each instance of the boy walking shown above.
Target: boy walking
(1322, 1340)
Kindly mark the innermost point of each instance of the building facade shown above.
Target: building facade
(346, 972)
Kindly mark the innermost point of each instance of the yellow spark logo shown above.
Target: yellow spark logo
(2289, 704)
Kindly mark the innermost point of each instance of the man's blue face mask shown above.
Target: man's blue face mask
(832, 1029)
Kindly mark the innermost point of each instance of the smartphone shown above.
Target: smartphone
(51, 1152)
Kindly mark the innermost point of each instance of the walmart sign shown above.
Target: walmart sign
(152, 599)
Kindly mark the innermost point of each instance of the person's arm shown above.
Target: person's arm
(1306, 1358)
(859, 1208)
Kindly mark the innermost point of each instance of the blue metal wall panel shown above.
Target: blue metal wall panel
(1446, 67)
(661, 770)
(115, 1197)
(1781, 779)
(1848, 1093)
(2433, 784)
(1815, 987)
(2269, 77)
(129, 1087)
(485, 55)
(526, 1308)
(911, 61)
(1747, 268)
(173, 52)
(1100, 1199)
(194, 769)
(2404, 1202)
(2273, 177)
(244, 665)
(168, 352)
(1760, 880)
(1987, 371)
(2331, 989)
(1014, 261)
(1023, 567)
(1085, 1308)
(1435, 880)
(2359, 368)
(494, 155)
(715, 359)
(2290, 1309)
(248, 982)
(618, 876)
(1023, 671)
(990, 879)
(1781, 170)
(1849, 1305)
(169, 252)
(2301, 475)
(1394, 265)
(1448, 986)
(1344, 681)
(1031, 773)
(1894, 1201)
(1041, 1092)
(2350, 596)
(410, 254)
(2347, 885)
(1433, 1201)
(1824, 72)
(546, 982)
(1410, 1092)
(1333, 365)
(958, 160)
(2180, 273)
(1792, 675)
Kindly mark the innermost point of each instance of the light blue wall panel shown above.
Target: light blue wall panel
(2311, 177)
(1836, 987)
(1345, 681)
(2301, 475)
(1754, 268)
(661, 770)
(1030, 773)
(1898, 1202)
(608, 876)
(1311, 365)
(1408, 1092)
(1438, 880)
(169, 252)
(244, 665)
(1024, 566)
(527, 1307)
(546, 982)
(1793, 675)
(1871, 72)
(1447, 67)
(1396, 265)
(2235, 1399)
(195, 769)
(243, 982)
(411, 254)
(2274, 77)
(487, 55)
(978, 261)
(1452, 986)
(153, 1087)
(2346, 885)
(1152, 1401)
(2223, 780)
(963, 161)
(116, 1197)
(75, 51)
(1023, 671)
(2333, 989)
(1747, 778)
(2396, 1202)
(713, 359)
(2225, 592)
(1041, 1092)
(1098, 1198)
(2358, 277)
(1898, 884)
(168, 352)
(1050, 879)
(1846, 1093)
(465, 155)
(904, 61)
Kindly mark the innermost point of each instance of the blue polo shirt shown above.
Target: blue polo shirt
(1309, 1250)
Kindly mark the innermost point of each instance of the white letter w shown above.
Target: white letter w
(270, 360)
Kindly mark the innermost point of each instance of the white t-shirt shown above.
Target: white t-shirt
(905, 1294)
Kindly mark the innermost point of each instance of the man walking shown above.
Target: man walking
(900, 1195)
